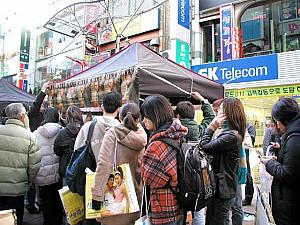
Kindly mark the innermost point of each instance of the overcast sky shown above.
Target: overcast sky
(32, 13)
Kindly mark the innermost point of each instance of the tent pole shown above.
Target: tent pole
(166, 81)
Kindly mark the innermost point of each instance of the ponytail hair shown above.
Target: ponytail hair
(129, 115)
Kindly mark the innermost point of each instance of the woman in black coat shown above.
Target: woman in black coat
(285, 168)
(64, 143)
(225, 149)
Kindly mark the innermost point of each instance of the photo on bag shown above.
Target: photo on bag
(119, 197)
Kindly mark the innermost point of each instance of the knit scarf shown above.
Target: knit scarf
(242, 168)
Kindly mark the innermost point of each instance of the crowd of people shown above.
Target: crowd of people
(37, 142)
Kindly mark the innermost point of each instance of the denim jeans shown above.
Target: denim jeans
(199, 217)
(237, 208)
(218, 211)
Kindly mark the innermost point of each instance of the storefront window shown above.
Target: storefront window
(271, 27)
(211, 42)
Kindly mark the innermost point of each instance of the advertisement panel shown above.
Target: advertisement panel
(243, 70)
(226, 25)
(183, 53)
(145, 22)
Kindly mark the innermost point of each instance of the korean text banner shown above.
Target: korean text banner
(226, 15)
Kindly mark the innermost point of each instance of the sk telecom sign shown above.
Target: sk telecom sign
(242, 70)
(226, 25)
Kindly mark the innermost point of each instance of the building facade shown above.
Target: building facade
(255, 54)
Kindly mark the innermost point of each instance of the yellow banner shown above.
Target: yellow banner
(264, 91)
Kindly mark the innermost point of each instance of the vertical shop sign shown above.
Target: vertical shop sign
(184, 13)
(226, 24)
(183, 53)
(182, 41)
(25, 45)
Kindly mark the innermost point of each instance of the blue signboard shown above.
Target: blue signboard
(25, 85)
(226, 31)
(241, 70)
(184, 13)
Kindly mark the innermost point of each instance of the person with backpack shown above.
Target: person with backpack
(112, 101)
(159, 169)
(65, 140)
(130, 139)
(48, 178)
(284, 167)
(185, 111)
(225, 149)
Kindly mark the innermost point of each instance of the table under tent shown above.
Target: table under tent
(135, 72)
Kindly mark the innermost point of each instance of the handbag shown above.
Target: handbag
(144, 220)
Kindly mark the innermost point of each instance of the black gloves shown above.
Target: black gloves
(96, 205)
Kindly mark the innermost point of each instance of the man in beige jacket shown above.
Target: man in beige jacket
(20, 159)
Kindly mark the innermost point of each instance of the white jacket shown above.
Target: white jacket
(45, 136)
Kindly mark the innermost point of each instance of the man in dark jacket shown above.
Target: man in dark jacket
(37, 109)
(185, 111)
(249, 188)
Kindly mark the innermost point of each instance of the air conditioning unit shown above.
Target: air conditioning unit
(165, 53)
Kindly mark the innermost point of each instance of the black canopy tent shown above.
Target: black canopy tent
(150, 74)
(9, 93)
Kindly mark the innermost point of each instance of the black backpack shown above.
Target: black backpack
(81, 159)
(195, 176)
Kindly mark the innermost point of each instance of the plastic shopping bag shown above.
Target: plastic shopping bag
(73, 205)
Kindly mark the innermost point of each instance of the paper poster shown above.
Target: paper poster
(119, 198)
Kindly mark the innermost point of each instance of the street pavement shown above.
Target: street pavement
(37, 219)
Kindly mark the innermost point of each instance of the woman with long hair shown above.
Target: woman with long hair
(225, 149)
(65, 140)
(159, 169)
(48, 178)
(130, 139)
(284, 166)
